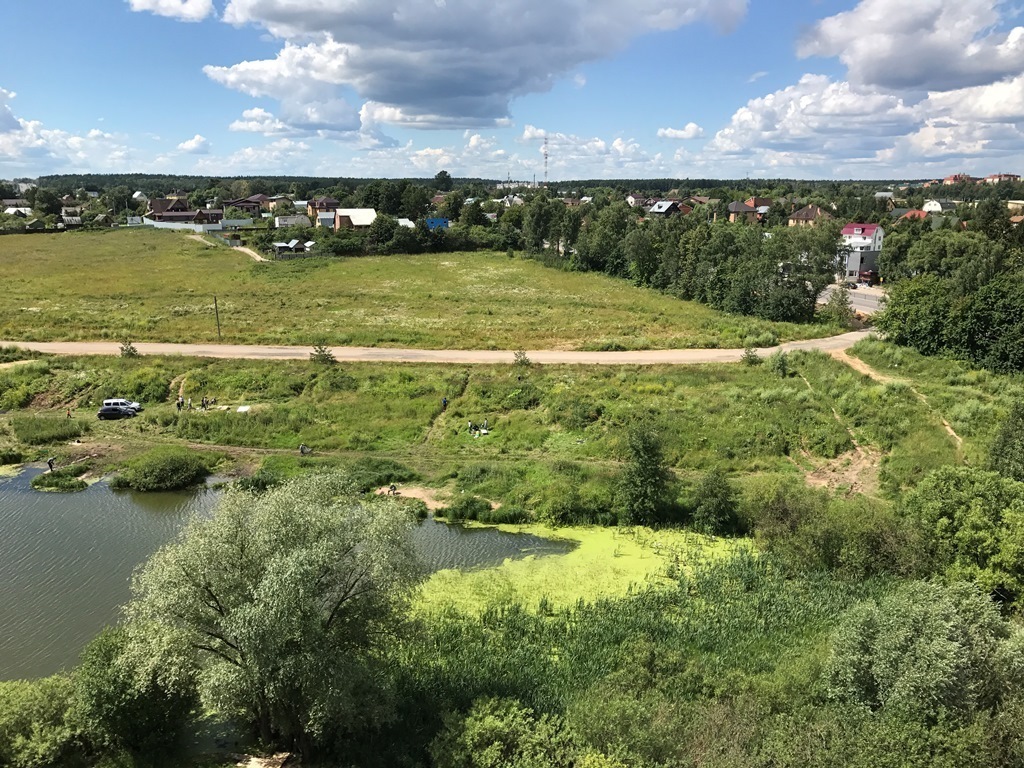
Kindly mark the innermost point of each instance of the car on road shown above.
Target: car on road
(114, 412)
(850, 284)
(122, 403)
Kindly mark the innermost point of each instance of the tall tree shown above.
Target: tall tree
(281, 603)
(644, 482)
(1006, 455)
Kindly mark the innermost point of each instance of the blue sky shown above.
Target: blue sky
(620, 88)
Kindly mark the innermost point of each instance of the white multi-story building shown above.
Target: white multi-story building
(863, 243)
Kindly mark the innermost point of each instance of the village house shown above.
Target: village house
(176, 210)
(297, 220)
(958, 178)
(938, 206)
(863, 244)
(666, 208)
(354, 218)
(996, 178)
(808, 216)
(742, 212)
(252, 205)
(319, 205)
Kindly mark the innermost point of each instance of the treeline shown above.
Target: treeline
(860, 635)
(959, 292)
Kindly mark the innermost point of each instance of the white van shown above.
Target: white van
(122, 403)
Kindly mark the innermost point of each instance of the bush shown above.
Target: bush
(259, 481)
(322, 355)
(750, 357)
(467, 508)
(13, 354)
(41, 430)
(778, 363)
(164, 469)
(370, 472)
(128, 349)
(65, 479)
(504, 515)
(35, 730)
(10, 456)
(715, 505)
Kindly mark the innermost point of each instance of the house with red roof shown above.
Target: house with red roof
(863, 243)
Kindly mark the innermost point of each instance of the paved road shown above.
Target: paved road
(863, 299)
(460, 356)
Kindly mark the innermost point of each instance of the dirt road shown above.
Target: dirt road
(458, 356)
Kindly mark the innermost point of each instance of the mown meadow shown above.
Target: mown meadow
(159, 286)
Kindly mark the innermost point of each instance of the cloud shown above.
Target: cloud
(904, 46)
(27, 147)
(259, 120)
(8, 122)
(756, 76)
(284, 156)
(816, 112)
(691, 131)
(432, 64)
(186, 10)
(197, 145)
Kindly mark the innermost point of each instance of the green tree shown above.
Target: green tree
(282, 604)
(923, 650)
(971, 523)
(381, 233)
(451, 208)
(443, 181)
(715, 505)
(502, 733)
(415, 202)
(644, 482)
(119, 708)
(1006, 455)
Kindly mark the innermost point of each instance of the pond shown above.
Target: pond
(66, 561)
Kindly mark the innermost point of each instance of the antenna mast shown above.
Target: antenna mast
(545, 161)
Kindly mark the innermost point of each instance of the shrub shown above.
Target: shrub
(128, 349)
(715, 505)
(12, 354)
(520, 358)
(778, 363)
(10, 456)
(750, 357)
(371, 472)
(467, 508)
(35, 728)
(41, 430)
(505, 515)
(322, 355)
(259, 481)
(65, 480)
(164, 469)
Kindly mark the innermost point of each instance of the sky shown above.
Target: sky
(809, 89)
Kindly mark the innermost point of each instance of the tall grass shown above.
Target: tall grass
(408, 301)
(43, 430)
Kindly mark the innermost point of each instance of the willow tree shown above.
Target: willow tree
(281, 606)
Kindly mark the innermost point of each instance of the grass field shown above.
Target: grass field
(557, 432)
(159, 286)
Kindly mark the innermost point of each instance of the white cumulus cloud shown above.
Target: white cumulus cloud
(197, 145)
(690, 131)
(186, 10)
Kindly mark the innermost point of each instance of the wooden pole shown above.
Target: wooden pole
(216, 312)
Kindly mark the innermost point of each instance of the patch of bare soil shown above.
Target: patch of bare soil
(427, 495)
(274, 761)
(853, 472)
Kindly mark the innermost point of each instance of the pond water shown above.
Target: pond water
(66, 561)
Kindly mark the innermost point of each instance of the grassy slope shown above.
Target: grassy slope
(159, 286)
(552, 427)
(973, 401)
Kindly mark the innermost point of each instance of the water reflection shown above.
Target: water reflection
(66, 561)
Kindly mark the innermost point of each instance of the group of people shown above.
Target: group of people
(205, 403)
(475, 430)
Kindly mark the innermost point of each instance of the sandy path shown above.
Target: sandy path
(458, 356)
(248, 252)
(861, 367)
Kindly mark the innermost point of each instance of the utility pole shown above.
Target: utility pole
(216, 312)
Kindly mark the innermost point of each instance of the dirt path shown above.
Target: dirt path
(248, 252)
(427, 495)
(458, 356)
(861, 367)
(240, 248)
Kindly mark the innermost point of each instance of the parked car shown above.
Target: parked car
(114, 412)
(121, 402)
